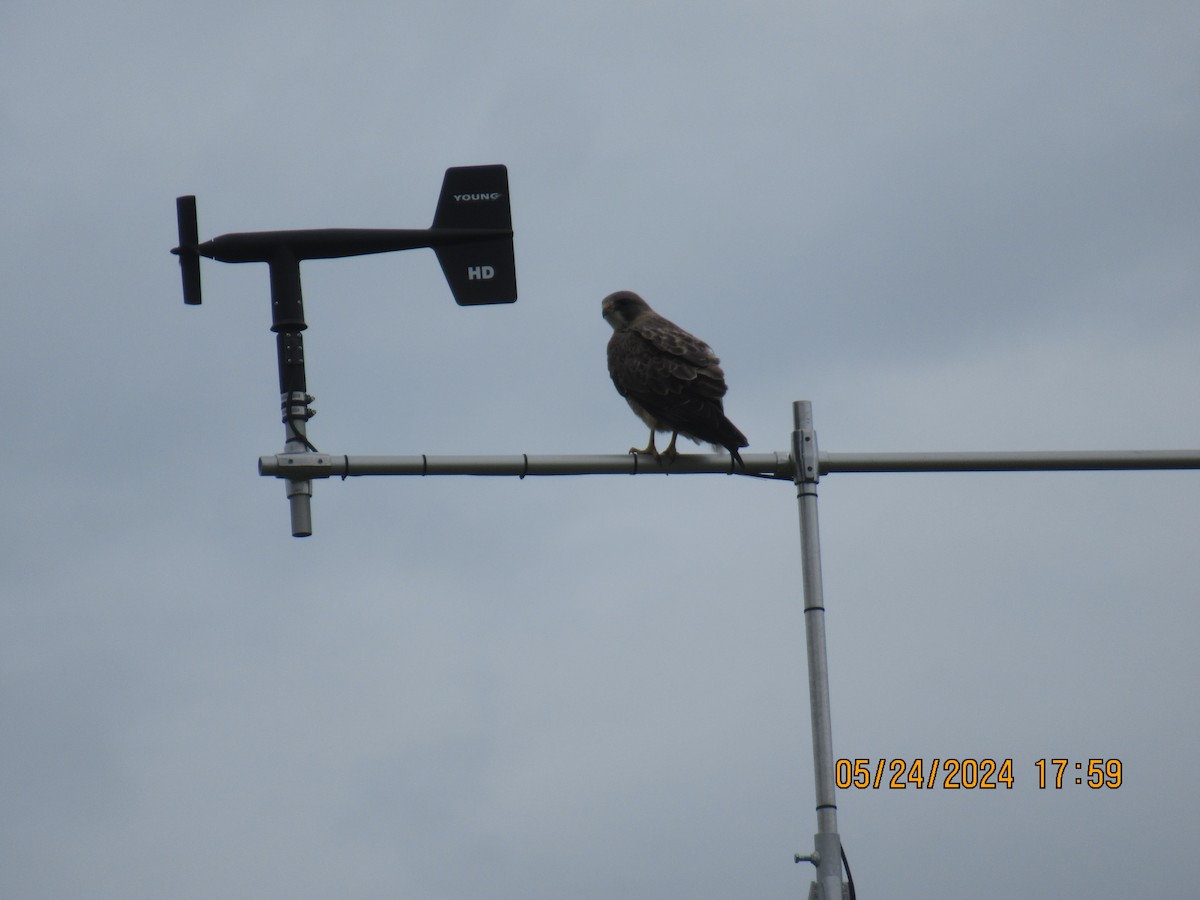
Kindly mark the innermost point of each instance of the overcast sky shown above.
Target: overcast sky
(951, 226)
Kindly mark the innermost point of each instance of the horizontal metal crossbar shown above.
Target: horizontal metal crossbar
(1012, 461)
(324, 465)
(770, 465)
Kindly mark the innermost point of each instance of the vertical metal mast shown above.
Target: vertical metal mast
(827, 843)
(287, 321)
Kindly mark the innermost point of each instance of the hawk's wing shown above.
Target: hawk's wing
(671, 374)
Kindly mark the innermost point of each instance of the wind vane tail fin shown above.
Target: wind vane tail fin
(482, 267)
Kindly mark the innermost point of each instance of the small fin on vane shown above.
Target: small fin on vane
(189, 240)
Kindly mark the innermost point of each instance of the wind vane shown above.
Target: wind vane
(471, 235)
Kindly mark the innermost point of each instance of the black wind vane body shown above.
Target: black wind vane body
(471, 235)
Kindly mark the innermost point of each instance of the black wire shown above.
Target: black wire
(290, 419)
(849, 877)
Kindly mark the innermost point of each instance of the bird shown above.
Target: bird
(671, 379)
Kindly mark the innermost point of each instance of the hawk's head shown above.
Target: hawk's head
(622, 308)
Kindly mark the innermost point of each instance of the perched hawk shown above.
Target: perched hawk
(672, 380)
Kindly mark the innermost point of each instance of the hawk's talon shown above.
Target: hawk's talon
(646, 451)
(670, 453)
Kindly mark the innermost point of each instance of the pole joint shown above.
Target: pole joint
(804, 445)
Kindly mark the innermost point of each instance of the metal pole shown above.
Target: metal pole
(302, 463)
(296, 412)
(827, 843)
(1012, 461)
(287, 321)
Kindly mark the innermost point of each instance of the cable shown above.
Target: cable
(849, 877)
(290, 419)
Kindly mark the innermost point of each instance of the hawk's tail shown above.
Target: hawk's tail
(731, 439)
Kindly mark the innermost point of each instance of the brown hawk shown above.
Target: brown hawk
(670, 378)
